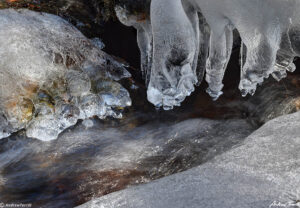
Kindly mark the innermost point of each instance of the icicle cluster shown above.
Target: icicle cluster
(51, 76)
(190, 37)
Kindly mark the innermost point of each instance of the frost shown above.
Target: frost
(51, 76)
(269, 34)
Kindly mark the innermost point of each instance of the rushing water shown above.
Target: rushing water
(89, 162)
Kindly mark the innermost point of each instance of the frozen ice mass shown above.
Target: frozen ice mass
(51, 76)
(198, 38)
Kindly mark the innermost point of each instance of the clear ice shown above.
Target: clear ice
(183, 32)
(142, 24)
(51, 76)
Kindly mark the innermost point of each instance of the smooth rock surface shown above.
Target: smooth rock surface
(262, 172)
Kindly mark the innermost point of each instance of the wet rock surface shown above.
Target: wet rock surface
(275, 99)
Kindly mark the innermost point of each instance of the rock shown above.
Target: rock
(261, 172)
(274, 99)
(84, 14)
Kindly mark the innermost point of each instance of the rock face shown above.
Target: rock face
(87, 15)
(51, 76)
(84, 11)
(261, 172)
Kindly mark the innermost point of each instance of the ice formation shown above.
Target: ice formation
(154, 54)
(261, 25)
(269, 31)
(51, 76)
(142, 24)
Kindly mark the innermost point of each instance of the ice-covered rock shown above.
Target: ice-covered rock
(50, 75)
(261, 172)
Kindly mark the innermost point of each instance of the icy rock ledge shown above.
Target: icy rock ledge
(51, 76)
